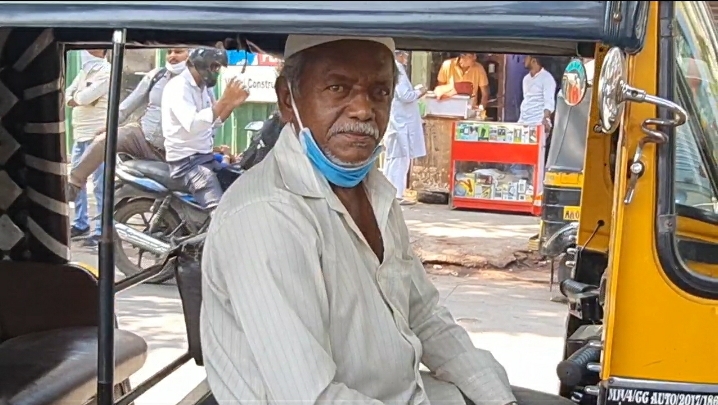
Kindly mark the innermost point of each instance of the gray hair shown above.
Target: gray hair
(294, 66)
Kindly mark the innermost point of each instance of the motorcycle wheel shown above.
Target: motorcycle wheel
(169, 221)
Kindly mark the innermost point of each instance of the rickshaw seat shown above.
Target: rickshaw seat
(48, 335)
(157, 171)
(60, 366)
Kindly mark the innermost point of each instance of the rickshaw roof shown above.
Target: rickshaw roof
(482, 26)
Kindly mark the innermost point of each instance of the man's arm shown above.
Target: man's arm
(405, 92)
(182, 106)
(549, 93)
(483, 84)
(99, 87)
(444, 73)
(276, 290)
(138, 97)
(448, 350)
(72, 88)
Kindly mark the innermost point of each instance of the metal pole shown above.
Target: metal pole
(106, 332)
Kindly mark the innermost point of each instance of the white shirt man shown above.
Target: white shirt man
(404, 139)
(539, 103)
(298, 308)
(190, 116)
(539, 88)
(188, 122)
(87, 95)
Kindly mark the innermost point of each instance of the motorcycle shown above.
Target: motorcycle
(145, 187)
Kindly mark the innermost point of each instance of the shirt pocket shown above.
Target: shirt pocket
(396, 283)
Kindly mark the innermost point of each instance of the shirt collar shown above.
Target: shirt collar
(187, 75)
(300, 177)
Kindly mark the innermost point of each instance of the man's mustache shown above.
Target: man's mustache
(360, 128)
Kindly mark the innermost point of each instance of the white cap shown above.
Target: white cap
(298, 43)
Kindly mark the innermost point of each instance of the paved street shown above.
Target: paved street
(513, 319)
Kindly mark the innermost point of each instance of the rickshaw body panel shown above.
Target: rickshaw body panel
(653, 330)
(415, 25)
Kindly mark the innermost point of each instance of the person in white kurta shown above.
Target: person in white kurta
(404, 139)
(311, 297)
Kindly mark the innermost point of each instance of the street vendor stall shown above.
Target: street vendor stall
(496, 166)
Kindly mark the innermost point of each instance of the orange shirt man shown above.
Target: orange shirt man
(467, 77)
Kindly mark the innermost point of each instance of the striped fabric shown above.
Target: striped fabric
(298, 310)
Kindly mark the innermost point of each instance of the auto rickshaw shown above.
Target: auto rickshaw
(563, 176)
(644, 287)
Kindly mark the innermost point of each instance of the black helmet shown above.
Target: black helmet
(207, 62)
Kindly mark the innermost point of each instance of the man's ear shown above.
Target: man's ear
(284, 99)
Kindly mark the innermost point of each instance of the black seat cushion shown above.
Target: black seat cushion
(157, 171)
(60, 366)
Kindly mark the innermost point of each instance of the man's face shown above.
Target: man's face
(527, 62)
(467, 60)
(402, 57)
(98, 53)
(344, 98)
(177, 55)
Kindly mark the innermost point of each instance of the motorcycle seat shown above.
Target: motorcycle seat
(157, 171)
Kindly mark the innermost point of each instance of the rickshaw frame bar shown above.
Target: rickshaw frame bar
(106, 330)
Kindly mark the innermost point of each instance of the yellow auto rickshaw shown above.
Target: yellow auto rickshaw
(643, 290)
(563, 178)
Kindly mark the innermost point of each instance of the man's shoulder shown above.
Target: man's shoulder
(259, 187)
(547, 75)
(104, 70)
(479, 69)
(447, 64)
(174, 88)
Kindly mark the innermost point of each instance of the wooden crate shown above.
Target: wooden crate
(433, 171)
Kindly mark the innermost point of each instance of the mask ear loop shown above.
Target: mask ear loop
(294, 107)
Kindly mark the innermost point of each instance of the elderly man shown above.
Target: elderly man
(325, 302)
(404, 140)
(143, 140)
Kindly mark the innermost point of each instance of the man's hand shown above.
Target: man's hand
(223, 149)
(72, 103)
(236, 92)
(547, 124)
(100, 131)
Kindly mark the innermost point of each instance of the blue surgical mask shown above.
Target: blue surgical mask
(342, 176)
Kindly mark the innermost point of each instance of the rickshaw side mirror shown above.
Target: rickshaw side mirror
(613, 92)
(574, 82)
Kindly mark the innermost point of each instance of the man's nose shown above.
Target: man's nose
(361, 108)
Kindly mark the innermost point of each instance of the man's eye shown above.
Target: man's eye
(336, 88)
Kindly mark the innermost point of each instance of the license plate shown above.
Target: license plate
(571, 213)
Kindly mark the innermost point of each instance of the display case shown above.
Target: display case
(496, 166)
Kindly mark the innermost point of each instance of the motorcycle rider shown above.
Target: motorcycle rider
(141, 140)
(190, 117)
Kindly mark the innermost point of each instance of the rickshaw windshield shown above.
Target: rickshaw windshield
(695, 45)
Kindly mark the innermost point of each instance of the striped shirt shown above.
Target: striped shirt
(297, 309)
